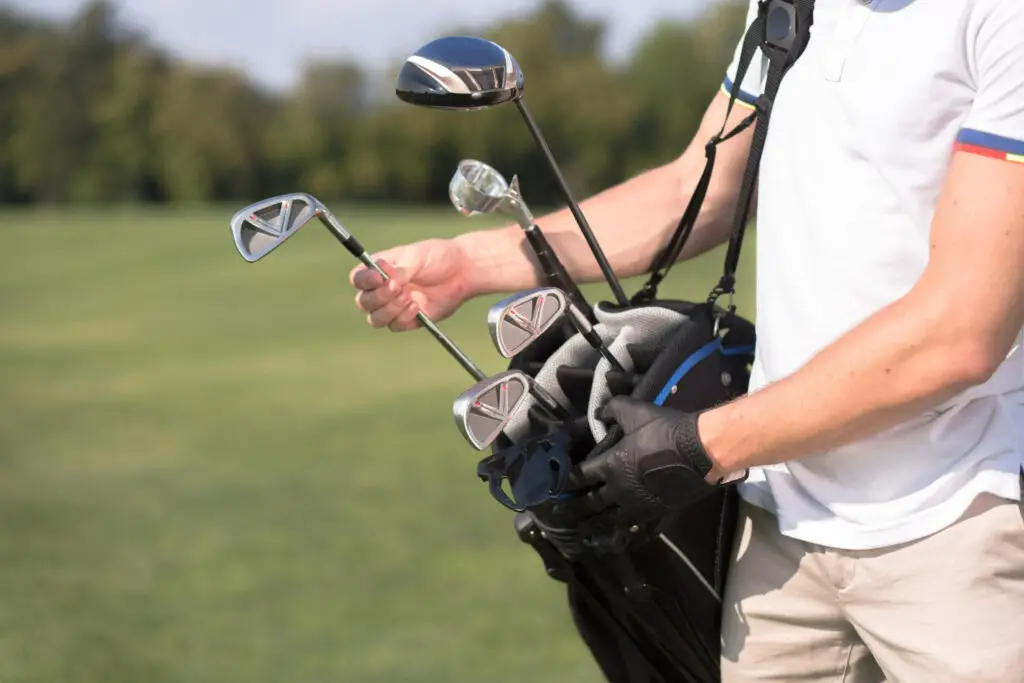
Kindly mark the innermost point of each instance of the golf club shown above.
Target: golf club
(469, 73)
(517, 321)
(477, 188)
(260, 228)
(482, 411)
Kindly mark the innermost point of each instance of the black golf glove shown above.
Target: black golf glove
(658, 463)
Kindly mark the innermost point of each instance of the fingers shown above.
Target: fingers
(394, 312)
(386, 302)
(587, 474)
(573, 507)
(379, 293)
(586, 488)
(612, 411)
(364, 278)
(594, 501)
(406, 320)
(631, 414)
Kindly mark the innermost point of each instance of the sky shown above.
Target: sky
(270, 39)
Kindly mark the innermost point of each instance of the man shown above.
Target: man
(882, 530)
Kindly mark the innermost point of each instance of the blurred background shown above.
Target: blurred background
(212, 471)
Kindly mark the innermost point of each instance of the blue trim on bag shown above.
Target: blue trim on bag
(702, 353)
(687, 365)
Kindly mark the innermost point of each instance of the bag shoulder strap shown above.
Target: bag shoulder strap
(781, 31)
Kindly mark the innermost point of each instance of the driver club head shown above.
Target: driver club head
(517, 321)
(460, 72)
(260, 228)
(482, 411)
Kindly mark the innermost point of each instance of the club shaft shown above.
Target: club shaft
(588, 234)
(350, 242)
(548, 401)
(595, 341)
(604, 351)
(431, 327)
(554, 271)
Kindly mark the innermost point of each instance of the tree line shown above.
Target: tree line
(91, 111)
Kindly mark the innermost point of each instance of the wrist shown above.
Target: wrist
(497, 261)
(713, 433)
(691, 446)
(690, 449)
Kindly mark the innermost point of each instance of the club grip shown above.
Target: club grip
(353, 245)
(347, 239)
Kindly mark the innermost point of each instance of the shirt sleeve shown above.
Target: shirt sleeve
(753, 81)
(995, 125)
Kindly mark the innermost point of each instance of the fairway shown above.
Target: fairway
(216, 472)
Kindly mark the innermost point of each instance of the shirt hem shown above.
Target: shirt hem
(838, 534)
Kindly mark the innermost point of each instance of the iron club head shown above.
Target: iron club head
(482, 411)
(260, 228)
(460, 72)
(517, 321)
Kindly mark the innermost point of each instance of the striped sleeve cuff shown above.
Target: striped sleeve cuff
(742, 98)
(989, 145)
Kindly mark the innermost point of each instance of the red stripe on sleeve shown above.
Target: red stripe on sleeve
(982, 151)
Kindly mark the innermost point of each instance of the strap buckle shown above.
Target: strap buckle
(780, 27)
(720, 313)
(725, 286)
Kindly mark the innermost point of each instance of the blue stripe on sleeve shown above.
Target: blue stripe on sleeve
(742, 96)
(969, 136)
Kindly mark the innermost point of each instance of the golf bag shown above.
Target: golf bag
(645, 598)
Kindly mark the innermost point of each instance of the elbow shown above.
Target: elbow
(960, 350)
(973, 361)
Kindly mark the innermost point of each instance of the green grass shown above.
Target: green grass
(212, 471)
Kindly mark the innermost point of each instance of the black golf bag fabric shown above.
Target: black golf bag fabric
(646, 599)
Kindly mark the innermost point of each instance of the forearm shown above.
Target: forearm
(951, 331)
(903, 361)
(632, 221)
(635, 220)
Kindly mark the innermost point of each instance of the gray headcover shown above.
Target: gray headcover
(641, 325)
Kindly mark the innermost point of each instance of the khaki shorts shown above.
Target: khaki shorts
(946, 608)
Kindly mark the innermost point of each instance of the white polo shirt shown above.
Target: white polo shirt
(861, 136)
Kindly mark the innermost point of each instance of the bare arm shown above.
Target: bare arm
(950, 332)
(632, 220)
